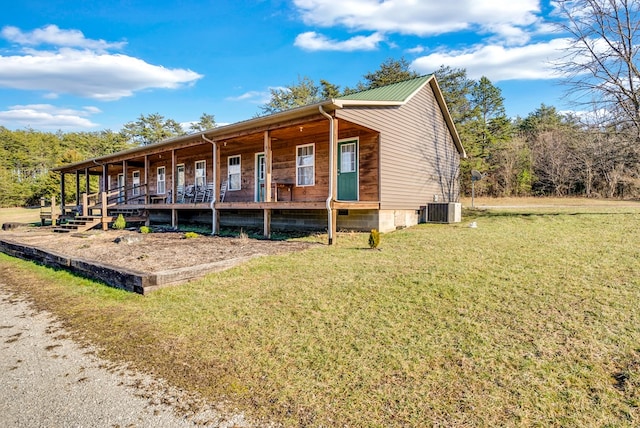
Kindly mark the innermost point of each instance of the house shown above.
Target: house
(367, 160)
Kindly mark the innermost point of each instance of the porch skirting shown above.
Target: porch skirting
(297, 220)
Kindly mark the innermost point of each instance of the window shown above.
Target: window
(135, 182)
(348, 157)
(261, 167)
(305, 169)
(160, 187)
(233, 172)
(201, 173)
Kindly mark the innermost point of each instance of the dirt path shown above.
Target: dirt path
(47, 380)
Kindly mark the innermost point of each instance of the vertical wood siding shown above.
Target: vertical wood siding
(418, 158)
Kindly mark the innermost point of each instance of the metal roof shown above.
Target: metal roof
(396, 92)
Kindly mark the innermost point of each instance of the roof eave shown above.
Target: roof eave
(447, 116)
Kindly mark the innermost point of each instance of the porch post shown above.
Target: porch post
(77, 187)
(105, 176)
(174, 212)
(124, 180)
(85, 204)
(215, 172)
(146, 179)
(105, 182)
(334, 181)
(173, 176)
(87, 183)
(105, 219)
(54, 214)
(62, 193)
(267, 184)
(267, 166)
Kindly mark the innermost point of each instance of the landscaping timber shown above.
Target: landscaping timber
(126, 279)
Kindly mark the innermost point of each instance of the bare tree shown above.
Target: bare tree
(512, 174)
(554, 162)
(601, 63)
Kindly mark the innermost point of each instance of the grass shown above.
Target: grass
(19, 215)
(531, 319)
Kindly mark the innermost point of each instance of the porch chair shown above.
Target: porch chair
(189, 193)
(208, 197)
(201, 193)
(180, 194)
(223, 189)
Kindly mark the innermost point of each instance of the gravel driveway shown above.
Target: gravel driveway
(47, 380)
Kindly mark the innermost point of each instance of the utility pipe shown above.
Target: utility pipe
(331, 178)
(214, 169)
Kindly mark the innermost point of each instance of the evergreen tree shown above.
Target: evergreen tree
(207, 121)
(390, 71)
(152, 128)
(294, 95)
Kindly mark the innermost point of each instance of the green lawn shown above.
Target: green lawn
(530, 319)
(19, 215)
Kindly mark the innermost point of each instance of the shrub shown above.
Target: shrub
(145, 229)
(374, 238)
(243, 236)
(190, 235)
(120, 223)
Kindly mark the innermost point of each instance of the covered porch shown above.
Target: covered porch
(294, 164)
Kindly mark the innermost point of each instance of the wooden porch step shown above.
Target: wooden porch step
(79, 224)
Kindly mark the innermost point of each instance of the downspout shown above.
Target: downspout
(214, 171)
(331, 179)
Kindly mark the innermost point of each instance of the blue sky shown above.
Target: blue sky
(92, 65)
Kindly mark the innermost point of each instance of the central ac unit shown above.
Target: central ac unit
(447, 212)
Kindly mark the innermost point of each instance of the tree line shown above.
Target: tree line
(27, 155)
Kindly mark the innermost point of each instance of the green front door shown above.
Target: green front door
(348, 170)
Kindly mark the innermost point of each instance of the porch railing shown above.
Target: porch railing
(136, 194)
(49, 210)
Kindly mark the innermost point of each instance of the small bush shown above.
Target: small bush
(145, 229)
(190, 235)
(243, 236)
(374, 238)
(120, 223)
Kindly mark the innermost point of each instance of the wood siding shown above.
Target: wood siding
(418, 158)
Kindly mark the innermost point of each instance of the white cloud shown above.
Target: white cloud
(52, 35)
(81, 67)
(47, 116)
(313, 41)
(507, 19)
(255, 97)
(416, 50)
(533, 61)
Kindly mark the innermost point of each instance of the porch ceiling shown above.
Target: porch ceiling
(292, 130)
